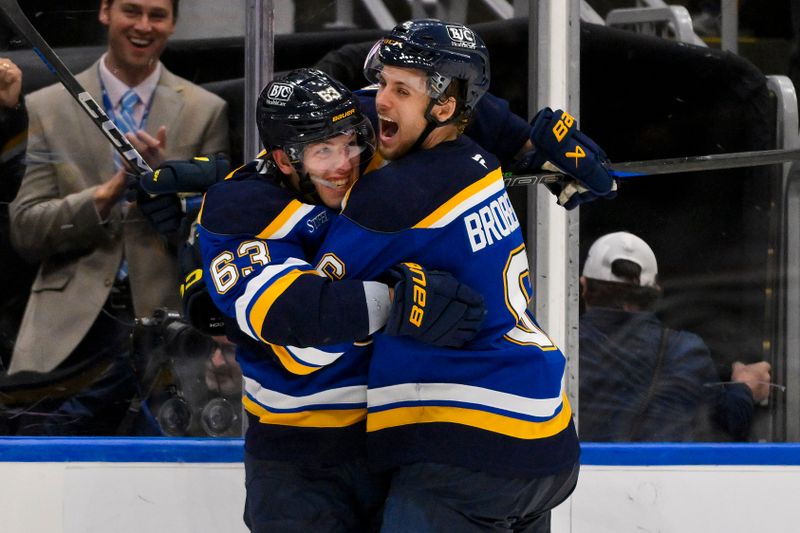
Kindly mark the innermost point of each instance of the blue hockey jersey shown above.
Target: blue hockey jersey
(497, 405)
(304, 403)
(254, 237)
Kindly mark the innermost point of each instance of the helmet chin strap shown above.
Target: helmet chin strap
(305, 186)
(431, 125)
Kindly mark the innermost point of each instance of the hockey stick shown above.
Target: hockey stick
(632, 169)
(15, 16)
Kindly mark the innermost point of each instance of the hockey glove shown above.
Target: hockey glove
(163, 211)
(194, 175)
(198, 308)
(557, 141)
(433, 307)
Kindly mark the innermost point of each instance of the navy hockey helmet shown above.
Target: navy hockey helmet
(307, 106)
(446, 51)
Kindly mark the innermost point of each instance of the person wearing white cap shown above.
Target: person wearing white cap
(639, 380)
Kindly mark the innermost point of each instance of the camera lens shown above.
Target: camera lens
(217, 417)
(174, 417)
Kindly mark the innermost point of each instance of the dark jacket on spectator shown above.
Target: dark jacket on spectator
(624, 397)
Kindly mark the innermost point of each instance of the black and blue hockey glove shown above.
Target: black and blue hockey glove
(163, 211)
(557, 140)
(155, 192)
(194, 175)
(198, 308)
(433, 307)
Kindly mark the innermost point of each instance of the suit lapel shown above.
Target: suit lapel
(168, 102)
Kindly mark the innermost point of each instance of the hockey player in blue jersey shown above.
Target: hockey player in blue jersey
(477, 438)
(305, 444)
(269, 314)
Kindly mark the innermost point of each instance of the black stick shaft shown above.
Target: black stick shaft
(633, 169)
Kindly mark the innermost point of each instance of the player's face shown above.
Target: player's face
(137, 35)
(332, 166)
(401, 102)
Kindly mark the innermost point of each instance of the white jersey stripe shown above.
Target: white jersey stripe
(286, 228)
(313, 356)
(254, 289)
(451, 392)
(468, 203)
(346, 396)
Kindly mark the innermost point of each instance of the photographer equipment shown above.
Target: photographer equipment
(189, 382)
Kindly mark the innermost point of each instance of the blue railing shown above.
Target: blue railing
(189, 450)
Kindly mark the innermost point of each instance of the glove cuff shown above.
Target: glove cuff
(378, 304)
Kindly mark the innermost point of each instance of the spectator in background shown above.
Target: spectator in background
(102, 261)
(641, 381)
(10, 83)
(13, 123)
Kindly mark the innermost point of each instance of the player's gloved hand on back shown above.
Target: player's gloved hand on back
(163, 211)
(557, 141)
(194, 175)
(198, 308)
(433, 307)
(155, 192)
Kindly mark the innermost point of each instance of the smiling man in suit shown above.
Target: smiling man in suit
(102, 262)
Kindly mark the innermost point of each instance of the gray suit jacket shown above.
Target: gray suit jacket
(53, 218)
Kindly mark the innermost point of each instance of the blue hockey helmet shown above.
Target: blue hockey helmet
(446, 51)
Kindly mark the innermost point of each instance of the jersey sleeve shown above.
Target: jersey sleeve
(262, 281)
(276, 296)
(497, 129)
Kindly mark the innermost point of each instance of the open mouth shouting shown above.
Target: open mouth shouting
(387, 129)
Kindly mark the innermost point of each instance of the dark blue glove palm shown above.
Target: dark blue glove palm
(163, 211)
(557, 140)
(433, 307)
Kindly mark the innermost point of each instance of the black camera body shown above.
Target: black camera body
(189, 382)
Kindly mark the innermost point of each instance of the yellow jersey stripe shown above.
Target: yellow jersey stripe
(285, 221)
(290, 363)
(200, 212)
(258, 312)
(329, 418)
(375, 163)
(467, 198)
(496, 423)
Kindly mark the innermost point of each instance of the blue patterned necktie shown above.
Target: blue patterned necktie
(126, 122)
(124, 119)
